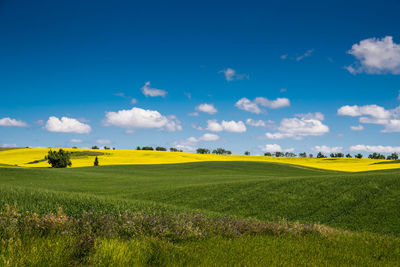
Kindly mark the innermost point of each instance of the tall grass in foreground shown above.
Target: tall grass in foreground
(133, 238)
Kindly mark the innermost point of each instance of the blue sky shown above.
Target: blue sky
(305, 73)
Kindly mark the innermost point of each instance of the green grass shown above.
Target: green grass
(366, 204)
(285, 250)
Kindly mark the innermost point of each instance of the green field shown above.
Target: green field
(359, 213)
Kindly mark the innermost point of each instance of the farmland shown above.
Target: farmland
(34, 157)
(209, 212)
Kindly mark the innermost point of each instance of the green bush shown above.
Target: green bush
(60, 159)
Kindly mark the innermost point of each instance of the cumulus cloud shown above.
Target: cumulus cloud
(209, 137)
(374, 111)
(255, 123)
(248, 105)
(392, 126)
(66, 125)
(12, 122)
(148, 91)
(378, 149)
(227, 126)
(137, 118)
(280, 102)
(303, 125)
(189, 144)
(274, 148)
(231, 74)
(357, 128)
(254, 106)
(374, 114)
(327, 149)
(207, 108)
(375, 56)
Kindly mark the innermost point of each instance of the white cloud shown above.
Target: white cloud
(209, 137)
(374, 114)
(66, 125)
(306, 54)
(76, 141)
(375, 56)
(189, 144)
(255, 123)
(103, 141)
(357, 128)
(12, 122)
(231, 74)
(327, 149)
(248, 105)
(297, 128)
(207, 108)
(392, 126)
(148, 91)
(253, 106)
(193, 114)
(398, 97)
(227, 126)
(374, 111)
(273, 104)
(274, 148)
(378, 149)
(133, 101)
(137, 118)
(284, 56)
(313, 116)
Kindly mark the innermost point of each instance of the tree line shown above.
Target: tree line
(159, 148)
(393, 156)
(218, 151)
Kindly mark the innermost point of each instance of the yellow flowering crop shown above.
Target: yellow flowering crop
(21, 158)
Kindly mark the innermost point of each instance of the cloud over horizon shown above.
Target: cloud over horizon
(374, 114)
(227, 126)
(137, 118)
(302, 125)
(66, 125)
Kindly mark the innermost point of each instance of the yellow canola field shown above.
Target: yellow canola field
(21, 158)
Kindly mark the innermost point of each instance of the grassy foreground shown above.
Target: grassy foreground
(34, 157)
(205, 213)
